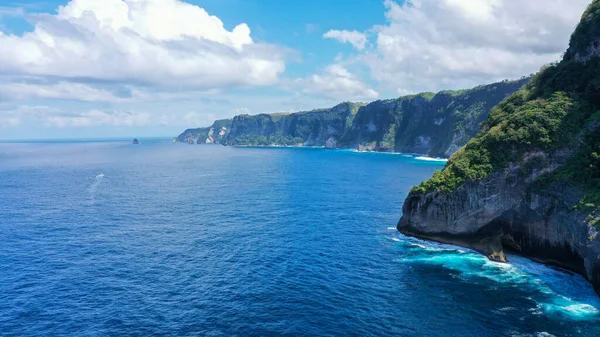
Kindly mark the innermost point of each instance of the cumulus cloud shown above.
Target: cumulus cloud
(152, 42)
(355, 38)
(336, 82)
(437, 44)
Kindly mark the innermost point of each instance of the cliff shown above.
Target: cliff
(433, 124)
(427, 123)
(210, 135)
(321, 127)
(530, 180)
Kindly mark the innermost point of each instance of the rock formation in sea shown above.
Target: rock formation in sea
(530, 180)
(433, 124)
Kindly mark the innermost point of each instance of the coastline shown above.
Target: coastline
(416, 156)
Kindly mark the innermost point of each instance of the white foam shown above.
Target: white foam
(391, 228)
(431, 159)
(432, 246)
(543, 334)
(505, 309)
(555, 292)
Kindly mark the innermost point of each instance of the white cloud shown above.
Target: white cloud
(14, 116)
(97, 118)
(59, 90)
(441, 44)
(9, 121)
(41, 115)
(193, 118)
(357, 39)
(34, 88)
(11, 11)
(154, 42)
(336, 82)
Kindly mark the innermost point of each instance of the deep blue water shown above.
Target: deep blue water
(109, 238)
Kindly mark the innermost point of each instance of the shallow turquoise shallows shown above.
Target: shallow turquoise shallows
(111, 238)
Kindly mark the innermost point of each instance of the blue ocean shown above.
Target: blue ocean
(106, 238)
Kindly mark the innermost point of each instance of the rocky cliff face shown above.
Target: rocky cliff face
(210, 135)
(530, 180)
(312, 128)
(432, 124)
(506, 211)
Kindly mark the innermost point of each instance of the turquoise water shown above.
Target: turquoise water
(109, 238)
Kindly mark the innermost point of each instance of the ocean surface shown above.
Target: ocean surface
(114, 239)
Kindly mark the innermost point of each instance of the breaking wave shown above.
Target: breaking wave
(556, 293)
(443, 160)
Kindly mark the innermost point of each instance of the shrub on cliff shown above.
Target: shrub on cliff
(559, 107)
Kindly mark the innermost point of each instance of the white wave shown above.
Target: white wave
(438, 248)
(100, 176)
(555, 292)
(442, 160)
(575, 310)
(377, 152)
(391, 228)
(543, 334)
(432, 246)
(507, 309)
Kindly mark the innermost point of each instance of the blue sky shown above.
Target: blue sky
(136, 68)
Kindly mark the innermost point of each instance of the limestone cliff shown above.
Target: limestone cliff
(530, 180)
(427, 123)
(310, 128)
(210, 135)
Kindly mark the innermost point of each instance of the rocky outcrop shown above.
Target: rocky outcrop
(585, 41)
(309, 128)
(210, 135)
(506, 211)
(530, 180)
(433, 124)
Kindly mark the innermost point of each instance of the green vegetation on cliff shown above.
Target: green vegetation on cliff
(211, 134)
(558, 110)
(587, 34)
(427, 123)
(314, 127)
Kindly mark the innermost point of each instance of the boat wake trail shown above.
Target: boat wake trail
(94, 188)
